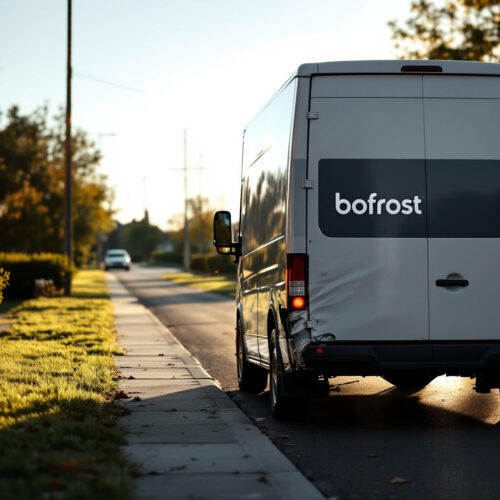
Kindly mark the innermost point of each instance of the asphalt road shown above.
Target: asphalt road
(367, 440)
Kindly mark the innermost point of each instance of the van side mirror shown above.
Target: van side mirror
(223, 238)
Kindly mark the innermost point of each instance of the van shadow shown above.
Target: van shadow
(354, 444)
(350, 446)
(387, 409)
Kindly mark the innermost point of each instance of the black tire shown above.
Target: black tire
(251, 378)
(283, 407)
(106, 268)
(410, 381)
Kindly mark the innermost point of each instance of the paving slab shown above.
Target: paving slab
(194, 458)
(156, 373)
(171, 403)
(155, 350)
(187, 436)
(208, 487)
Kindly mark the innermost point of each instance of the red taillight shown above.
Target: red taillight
(298, 302)
(296, 280)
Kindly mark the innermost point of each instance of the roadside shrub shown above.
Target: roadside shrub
(25, 269)
(221, 264)
(166, 257)
(213, 263)
(198, 262)
(4, 280)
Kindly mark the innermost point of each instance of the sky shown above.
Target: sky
(207, 66)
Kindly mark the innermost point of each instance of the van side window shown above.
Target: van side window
(266, 172)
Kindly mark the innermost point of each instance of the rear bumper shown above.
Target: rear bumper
(451, 358)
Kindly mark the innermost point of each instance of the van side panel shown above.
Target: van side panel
(367, 281)
(263, 222)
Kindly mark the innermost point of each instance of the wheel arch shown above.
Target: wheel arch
(274, 322)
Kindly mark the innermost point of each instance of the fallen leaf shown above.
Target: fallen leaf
(120, 395)
(399, 480)
(179, 467)
(69, 464)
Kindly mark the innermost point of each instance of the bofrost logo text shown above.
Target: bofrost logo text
(376, 206)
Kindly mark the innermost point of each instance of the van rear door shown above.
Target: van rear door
(367, 228)
(462, 130)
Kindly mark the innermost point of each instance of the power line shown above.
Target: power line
(107, 82)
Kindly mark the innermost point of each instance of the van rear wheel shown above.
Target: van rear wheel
(409, 381)
(283, 407)
(251, 378)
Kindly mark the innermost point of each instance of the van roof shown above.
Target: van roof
(412, 66)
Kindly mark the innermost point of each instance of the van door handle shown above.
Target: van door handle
(447, 282)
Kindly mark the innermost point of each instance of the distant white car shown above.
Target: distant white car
(117, 258)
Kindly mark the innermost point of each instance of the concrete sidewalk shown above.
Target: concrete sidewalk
(189, 439)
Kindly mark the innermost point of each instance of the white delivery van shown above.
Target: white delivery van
(369, 234)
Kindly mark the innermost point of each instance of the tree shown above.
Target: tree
(32, 186)
(460, 29)
(200, 220)
(140, 238)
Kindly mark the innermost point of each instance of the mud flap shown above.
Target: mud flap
(296, 384)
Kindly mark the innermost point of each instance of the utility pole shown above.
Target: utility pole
(187, 251)
(200, 208)
(187, 256)
(67, 160)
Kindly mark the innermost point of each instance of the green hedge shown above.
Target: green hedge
(213, 263)
(166, 257)
(4, 280)
(24, 269)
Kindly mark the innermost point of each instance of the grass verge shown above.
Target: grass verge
(217, 283)
(58, 432)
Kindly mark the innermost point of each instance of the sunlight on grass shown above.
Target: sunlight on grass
(58, 430)
(216, 283)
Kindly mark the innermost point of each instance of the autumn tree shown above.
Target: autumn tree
(459, 29)
(32, 186)
(200, 220)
